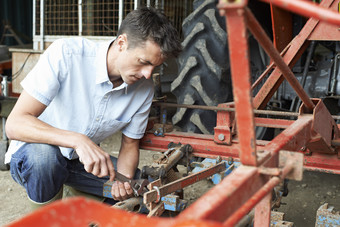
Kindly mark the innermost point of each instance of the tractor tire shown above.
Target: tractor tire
(204, 71)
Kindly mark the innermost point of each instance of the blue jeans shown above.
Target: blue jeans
(43, 171)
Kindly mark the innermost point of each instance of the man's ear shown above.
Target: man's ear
(122, 42)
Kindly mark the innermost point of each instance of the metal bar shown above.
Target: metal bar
(80, 17)
(308, 9)
(272, 123)
(41, 25)
(204, 146)
(151, 196)
(35, 45)
(240, 73)
(257, 197)
(297, 46)
(120, 13)
(262, 211)
(262, 38)
(220, 202)
(216, 108)
(270, 67)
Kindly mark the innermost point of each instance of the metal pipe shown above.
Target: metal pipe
(257, 197)
(41, 24)
(333, 79)
(80, 18)
(305, 72)
(270, 67)
(308, 60)
(308, 9)
(215, 108)
(35, 44)
(120, 12)
(263, 75)
(260, 35)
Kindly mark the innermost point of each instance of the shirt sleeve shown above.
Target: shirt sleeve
(43, 81)
(137, 126)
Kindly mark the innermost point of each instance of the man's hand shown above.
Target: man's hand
(95, 160)
(127, 164)
(121, 191)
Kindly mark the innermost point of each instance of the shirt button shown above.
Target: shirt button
(97, 119)
(105, 97)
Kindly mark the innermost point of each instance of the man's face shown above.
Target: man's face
(138, 62)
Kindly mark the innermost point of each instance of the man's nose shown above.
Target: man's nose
(147, 71)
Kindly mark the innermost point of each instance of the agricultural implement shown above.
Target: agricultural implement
(309, 139)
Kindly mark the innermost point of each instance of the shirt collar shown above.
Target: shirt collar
(100, 61)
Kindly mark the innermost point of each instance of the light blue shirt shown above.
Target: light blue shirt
(71, 79)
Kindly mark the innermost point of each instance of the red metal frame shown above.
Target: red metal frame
(251, 183)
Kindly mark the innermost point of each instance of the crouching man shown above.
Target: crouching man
(79, 93)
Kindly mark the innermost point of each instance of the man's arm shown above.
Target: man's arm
(127, 164)
(23, 124)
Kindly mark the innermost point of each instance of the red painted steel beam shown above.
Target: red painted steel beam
(84, 212)
(261, 36)
(240, 73)
(308, 9)
(204, 146)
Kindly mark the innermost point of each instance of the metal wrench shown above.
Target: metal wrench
(137, 186)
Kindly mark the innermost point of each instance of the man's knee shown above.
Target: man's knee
(41, 169)
(44, 157)
(38, 162)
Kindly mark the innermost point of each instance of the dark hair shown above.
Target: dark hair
(147, 23)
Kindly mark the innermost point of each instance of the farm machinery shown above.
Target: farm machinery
(241, 149)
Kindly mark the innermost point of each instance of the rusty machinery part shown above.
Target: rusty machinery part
(154, 195)
(204, 70)
(134, 204)
(168, 160)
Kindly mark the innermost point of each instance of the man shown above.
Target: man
(78, 94)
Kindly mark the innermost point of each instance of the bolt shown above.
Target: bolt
(221, 137)
(218, 159)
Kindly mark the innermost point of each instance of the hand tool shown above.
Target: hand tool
(138, 185)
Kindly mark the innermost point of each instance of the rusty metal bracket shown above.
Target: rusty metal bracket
(225, 125)
(157, 210)
(324, 129)
(160, 167)
(153, 195)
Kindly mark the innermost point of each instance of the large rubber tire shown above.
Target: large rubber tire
(204, 71)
